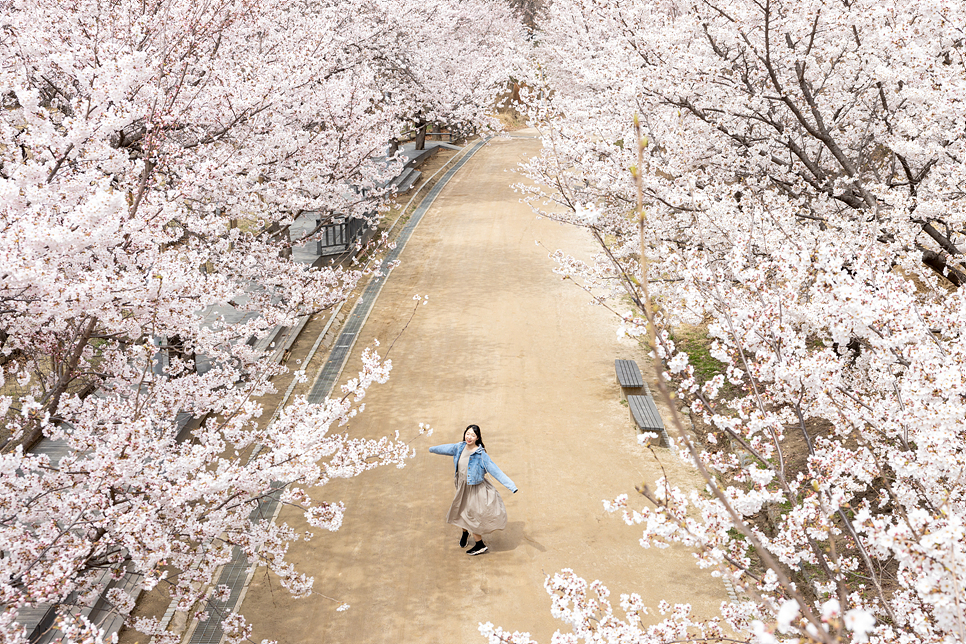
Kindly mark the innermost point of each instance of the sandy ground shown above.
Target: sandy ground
(505, 344)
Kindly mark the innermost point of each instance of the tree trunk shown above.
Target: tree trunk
(938, 263)
(421, 136)
(34, 431)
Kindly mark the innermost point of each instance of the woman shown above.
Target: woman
(477, 507)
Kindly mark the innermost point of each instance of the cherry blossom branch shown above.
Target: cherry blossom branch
(737, 521)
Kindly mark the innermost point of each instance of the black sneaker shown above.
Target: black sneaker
(464, 538)
(478, 549)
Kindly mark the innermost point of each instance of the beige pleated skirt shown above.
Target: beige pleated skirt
(476, 508)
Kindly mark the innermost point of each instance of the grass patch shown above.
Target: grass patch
(694, 341)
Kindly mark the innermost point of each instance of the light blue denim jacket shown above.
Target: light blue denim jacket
(480, 464)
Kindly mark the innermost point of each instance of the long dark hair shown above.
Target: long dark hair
(479, 435)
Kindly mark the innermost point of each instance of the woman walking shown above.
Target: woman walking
(477, 507)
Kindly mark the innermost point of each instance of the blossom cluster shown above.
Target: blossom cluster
(153, 158)
(788, 178)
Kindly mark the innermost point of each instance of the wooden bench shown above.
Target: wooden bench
(628, 375)
(629, 378)
(644, 413)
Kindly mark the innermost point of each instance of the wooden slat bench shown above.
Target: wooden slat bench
(628, 375)
(645, 414)
(629, 378)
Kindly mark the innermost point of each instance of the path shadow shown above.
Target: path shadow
(512, 537)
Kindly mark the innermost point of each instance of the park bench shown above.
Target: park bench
(644, 412)
(645, 415)
(629, 378)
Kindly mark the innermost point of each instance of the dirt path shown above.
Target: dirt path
(506, 344)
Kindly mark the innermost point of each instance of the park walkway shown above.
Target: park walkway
(503, 343)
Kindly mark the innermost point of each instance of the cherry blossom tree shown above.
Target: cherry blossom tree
(795, 186)
(529, 11)
(151, 152)
(448, 62)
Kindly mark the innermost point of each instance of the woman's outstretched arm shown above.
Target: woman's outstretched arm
(448, 449)
(497, 473)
